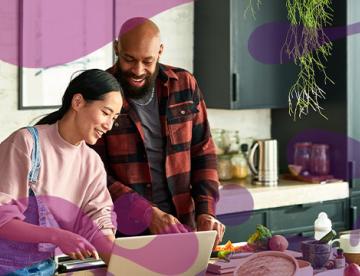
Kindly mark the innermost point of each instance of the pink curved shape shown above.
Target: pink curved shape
(168, 261)
(57, 32)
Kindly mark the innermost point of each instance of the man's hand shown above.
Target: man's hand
(206, 222)
(162, 223)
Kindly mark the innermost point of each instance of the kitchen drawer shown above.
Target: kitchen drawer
(299, 219)
(239, 226)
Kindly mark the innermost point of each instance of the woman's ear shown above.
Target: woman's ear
(77, 101)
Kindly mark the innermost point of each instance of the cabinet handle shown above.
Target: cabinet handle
(235, 77)
(353, 216)
(351, 167)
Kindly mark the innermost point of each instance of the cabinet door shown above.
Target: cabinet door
(229, 76)
(299, 219)
(260, 80)
(240, 226)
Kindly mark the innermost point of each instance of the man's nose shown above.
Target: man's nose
(138, 69)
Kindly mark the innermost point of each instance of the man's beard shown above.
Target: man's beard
(137, 92)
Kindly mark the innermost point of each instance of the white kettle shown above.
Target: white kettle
(265, 166)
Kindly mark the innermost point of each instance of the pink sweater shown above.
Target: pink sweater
(72, 182)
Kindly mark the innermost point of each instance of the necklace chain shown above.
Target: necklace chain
(148, 101)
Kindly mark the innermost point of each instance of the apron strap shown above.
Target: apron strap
(35, 156)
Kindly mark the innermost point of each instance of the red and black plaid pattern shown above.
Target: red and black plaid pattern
(190, 153)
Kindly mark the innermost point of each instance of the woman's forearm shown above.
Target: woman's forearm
(18, 230)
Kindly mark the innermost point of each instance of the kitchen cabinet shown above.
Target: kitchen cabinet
(228, 75)
(341, 107)
(296, 220)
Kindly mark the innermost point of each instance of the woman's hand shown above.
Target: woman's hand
(73, 244)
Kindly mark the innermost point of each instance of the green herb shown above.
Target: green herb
(309, 46)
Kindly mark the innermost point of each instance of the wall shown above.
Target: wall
(177, 33)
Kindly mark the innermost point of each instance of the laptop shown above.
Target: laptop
(167, 254)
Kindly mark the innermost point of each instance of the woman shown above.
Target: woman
(65, 203)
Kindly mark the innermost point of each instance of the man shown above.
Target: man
(160, 146)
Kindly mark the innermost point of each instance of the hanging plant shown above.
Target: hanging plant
(309, 47)
(252, 6)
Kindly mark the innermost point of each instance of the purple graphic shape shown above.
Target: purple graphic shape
(167, 261)
(69, 217)
(57, 32)
(341, 149)
(236, 205)
(133, 214)
(266, 42)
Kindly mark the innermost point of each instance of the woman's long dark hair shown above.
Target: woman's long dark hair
(92, 84)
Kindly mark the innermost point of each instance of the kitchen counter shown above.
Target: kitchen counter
(240, 195)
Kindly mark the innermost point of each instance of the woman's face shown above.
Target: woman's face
(97, 117)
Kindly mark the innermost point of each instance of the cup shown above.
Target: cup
(350, 244)
(316, 253)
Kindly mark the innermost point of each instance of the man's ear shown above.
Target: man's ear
(77, 101)
(161, 49)
(116, 47)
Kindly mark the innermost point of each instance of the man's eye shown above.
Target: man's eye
(105, 113)
(128, 59)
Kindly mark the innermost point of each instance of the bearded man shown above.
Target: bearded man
(160, 149)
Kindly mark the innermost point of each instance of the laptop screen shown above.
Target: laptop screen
(167, 254)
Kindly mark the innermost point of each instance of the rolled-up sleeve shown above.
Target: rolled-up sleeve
(14, 167)
(97, 211)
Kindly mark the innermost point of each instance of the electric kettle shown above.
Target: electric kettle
(263, 162)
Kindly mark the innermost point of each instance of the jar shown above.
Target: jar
(239, 166)
(218, 138)
(302, 155)
(231, 141)
(319, 159)
(224, 167)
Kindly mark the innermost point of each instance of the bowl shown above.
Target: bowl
(315, 252)
(294, 170)
(352, 258)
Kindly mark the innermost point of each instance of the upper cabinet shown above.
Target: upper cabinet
(228, 73)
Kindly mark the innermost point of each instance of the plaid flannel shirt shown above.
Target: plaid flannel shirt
(190, 162)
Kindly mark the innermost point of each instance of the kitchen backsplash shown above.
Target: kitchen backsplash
(253, 123)
(177, 33)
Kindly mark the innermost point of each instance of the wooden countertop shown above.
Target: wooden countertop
(238, 196)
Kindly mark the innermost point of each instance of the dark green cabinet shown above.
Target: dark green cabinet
(341, 106)
(295, 220)
(229, 76)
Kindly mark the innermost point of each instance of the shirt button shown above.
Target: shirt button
(148, 185)
(116, 124)
(182, 112)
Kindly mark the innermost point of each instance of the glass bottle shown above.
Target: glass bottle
(340, 259)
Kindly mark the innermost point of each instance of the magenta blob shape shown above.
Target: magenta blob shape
(176, 253)
(57, 32)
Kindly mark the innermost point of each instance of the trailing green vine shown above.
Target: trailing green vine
(252, 6)
(309, 47)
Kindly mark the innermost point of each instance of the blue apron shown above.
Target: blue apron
(30, 259)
